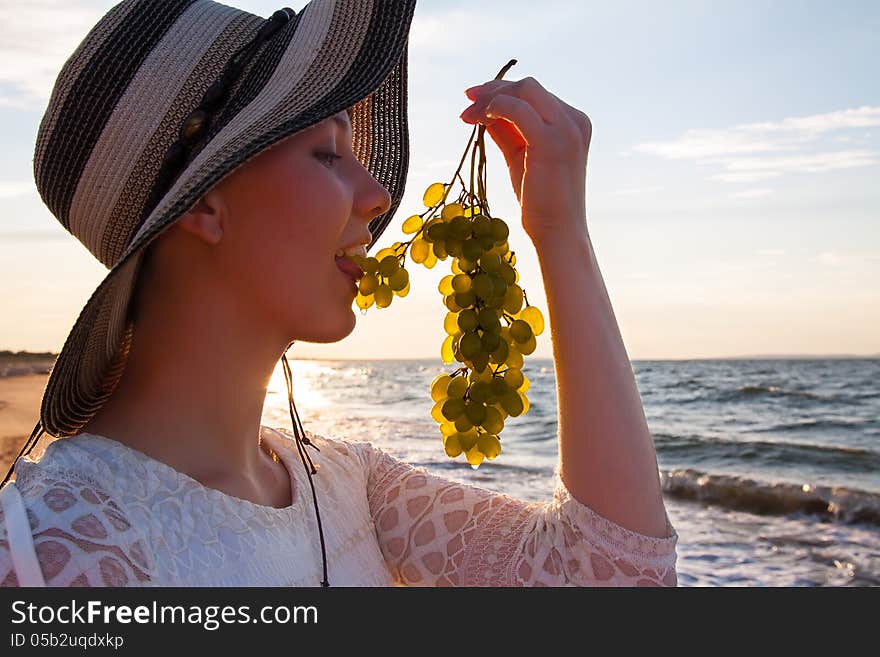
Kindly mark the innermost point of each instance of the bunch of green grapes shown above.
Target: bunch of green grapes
(490, 324)
(384, 276)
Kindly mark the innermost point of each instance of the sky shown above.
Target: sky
(732, 183)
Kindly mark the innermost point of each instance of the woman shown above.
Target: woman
(163, 474)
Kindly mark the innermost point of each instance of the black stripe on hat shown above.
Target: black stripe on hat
(256, 75)
(95, 94)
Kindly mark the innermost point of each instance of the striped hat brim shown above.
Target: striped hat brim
(330, 57)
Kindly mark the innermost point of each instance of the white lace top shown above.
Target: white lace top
(104, 514)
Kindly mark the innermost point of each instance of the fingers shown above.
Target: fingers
(528, 89)
(518, 112)
(551, 109)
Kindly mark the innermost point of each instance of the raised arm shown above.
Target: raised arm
(607, 456)
(434, 531)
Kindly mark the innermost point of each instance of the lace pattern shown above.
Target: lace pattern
(103, 514)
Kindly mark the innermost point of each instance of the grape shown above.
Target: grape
(489, 320)
(470, 345)
(482, 286)
(490, 342)
(520, 331)
(462, 423)
(440, 251)
(467, 439)
(471, 249)
(499, 230)
(480, 391)
(418, 251)
(474, 456)
(399, 280)
(439, 386)
(452, 445)
(451, 304)
(433, 194)
(468, 320)
(389, 265)
(480, 361)
(493, 423)
(457, 387)
(501, 353)
(482, 226)
(383, 295)
(514, 358)
(453, 408)
(436, 412)
(451, 210)
(461, 282)
(446, 351)
(445, 285)
(489, 445)
(460, 229)
(498, 386)
(513, 377)
(511, 402)
(513, 299)
(476, 412)
(412, 224)
(465, 299)
(450, 324)
(529, 345)
(368, 284)
(533, 317)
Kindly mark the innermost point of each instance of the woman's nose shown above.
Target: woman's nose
(376, 200)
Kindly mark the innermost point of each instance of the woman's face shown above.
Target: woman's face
(289, 210)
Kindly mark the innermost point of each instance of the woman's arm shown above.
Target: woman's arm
(607, 457)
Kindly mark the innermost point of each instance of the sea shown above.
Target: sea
(770, 468)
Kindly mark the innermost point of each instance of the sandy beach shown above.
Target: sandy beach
(19, 411)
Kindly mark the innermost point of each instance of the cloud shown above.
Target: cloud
(752, 152)
(11, 188)
(633, 191)
(37, 38)
(770, 252)
(753, 193)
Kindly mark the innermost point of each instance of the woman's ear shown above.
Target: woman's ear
(207, 218)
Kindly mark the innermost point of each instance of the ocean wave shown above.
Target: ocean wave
(833, 503)
(813, 424)
(696, 448)
(752, 393)
(24, 370)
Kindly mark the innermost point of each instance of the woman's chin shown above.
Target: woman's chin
(334, 330)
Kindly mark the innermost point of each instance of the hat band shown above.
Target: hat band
(194, 130)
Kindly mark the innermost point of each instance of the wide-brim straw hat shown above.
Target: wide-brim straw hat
(161, 100)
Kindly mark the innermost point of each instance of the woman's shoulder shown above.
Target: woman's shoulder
(82, 533)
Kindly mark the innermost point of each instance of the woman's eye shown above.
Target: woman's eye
(332, 157)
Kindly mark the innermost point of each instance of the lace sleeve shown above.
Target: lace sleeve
(437, 532)
(82, 537)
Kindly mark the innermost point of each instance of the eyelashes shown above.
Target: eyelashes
(331, 157)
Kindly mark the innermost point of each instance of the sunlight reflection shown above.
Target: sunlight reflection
(306, 379)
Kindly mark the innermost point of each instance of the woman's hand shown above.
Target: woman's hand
(545, 143)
